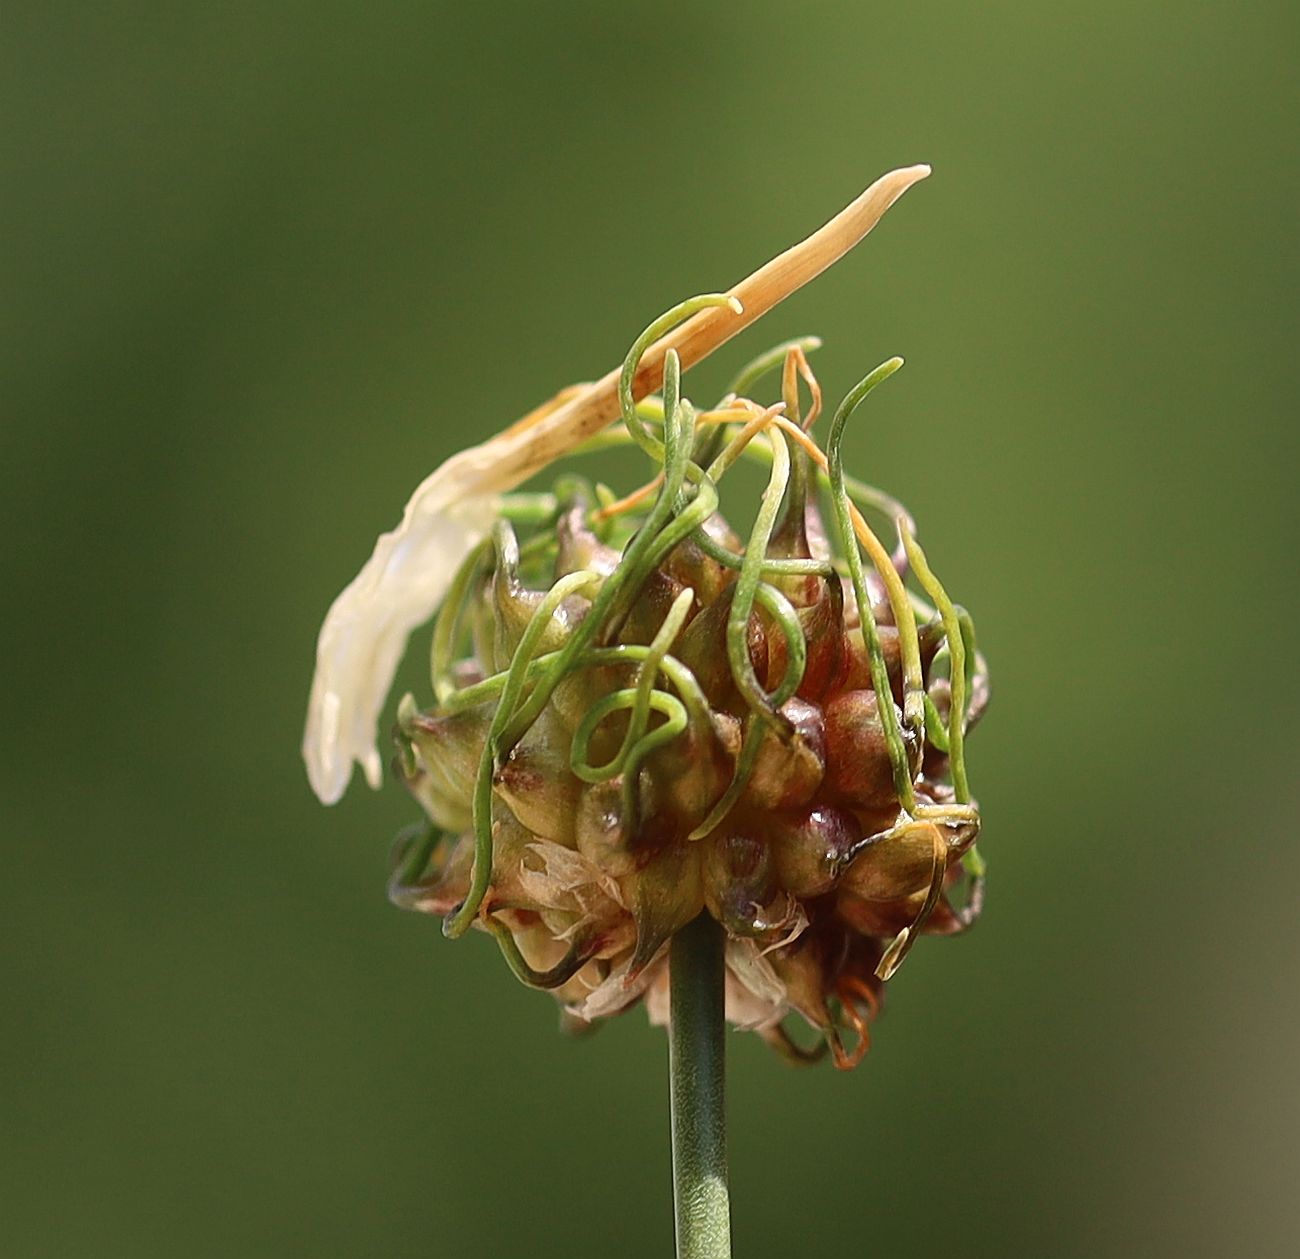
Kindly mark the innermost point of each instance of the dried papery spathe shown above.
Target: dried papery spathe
(365, 634)
(366, 630)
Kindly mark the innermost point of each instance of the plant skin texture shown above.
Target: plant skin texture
(660, 762)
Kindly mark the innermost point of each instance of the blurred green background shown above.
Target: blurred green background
(265, 264)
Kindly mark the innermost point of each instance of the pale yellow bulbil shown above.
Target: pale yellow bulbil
(366, 630)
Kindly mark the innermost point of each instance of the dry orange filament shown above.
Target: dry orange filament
(849, 988)
(879, 556)
(796, 365)
(761, 418)
(629, 501)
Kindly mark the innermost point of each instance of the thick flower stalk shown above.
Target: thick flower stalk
(638, 717)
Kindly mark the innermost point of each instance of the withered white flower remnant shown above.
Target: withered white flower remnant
(638, 717)
(404, 580)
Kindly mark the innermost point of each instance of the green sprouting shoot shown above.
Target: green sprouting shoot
(639, 702)
(577, 956)
(848, 541)
(957, 656)
(572, 583)
(691, 455)
(447, 628)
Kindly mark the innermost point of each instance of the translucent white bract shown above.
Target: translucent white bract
(366, 631)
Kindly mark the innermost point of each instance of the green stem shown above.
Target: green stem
(697, 1076)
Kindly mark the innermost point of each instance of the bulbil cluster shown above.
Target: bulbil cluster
(640, 716)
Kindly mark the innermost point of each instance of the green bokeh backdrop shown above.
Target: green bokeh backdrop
(265, 264)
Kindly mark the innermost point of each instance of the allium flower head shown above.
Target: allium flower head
(637, 715)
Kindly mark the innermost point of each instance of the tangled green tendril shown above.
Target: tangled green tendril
(691, 459)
